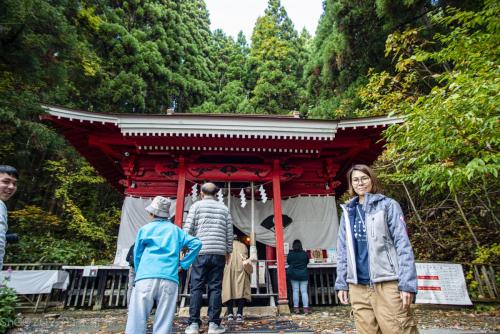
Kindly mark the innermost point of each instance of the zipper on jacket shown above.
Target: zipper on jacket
(368, 241)
(389, 256)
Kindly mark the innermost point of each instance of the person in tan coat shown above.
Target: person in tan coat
(236, 281)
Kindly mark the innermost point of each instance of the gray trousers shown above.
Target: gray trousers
(131, 283)
(144, 294)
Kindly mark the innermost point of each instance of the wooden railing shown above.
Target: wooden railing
(486, 276)
(321, 286)
(109, 288)
(262, 291)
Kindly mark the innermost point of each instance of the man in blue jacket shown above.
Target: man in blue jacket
(156, 260)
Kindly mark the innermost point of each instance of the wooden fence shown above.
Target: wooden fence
(109, 288)
(106, 290)
(321, 287)
(482, 281)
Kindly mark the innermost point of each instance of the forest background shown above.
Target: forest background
(435, 62)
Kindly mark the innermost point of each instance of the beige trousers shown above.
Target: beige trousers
(378, 310)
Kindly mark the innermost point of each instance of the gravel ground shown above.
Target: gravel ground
(330, 320)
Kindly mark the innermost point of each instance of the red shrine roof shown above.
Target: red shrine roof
(140, 154)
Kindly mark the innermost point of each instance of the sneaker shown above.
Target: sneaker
(193, 328)
(239, 318)
(296, 310)
(230, 317)
(213, 328)
(307, 310)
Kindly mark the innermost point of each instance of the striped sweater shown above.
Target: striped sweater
(210, 221)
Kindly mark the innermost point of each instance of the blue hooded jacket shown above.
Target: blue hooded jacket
(157, 249)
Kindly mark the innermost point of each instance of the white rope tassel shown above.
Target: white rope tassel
(194, 192)
(220, 196)
(242, 198)
(263, 195)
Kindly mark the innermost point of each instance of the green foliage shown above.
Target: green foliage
(49, 249)
(349, 40)
(150, 55)
(275, 62)
(231, 95)
(439, 71)
(489, 254)
(8, 303)
(68, 180)
(450, 136)
(446, 89)
(44, 237)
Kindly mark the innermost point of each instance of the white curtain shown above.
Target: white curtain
(133, 217)
(314, 221)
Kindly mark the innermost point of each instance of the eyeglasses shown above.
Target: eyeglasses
(363, 179)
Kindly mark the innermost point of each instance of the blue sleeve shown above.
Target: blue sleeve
(194, 246)
(138, 249)
(406, 260)
(341, 282)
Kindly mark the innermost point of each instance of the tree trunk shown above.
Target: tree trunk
(467, 223)
(419, 218)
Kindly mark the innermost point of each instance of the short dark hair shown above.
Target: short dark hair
(9, 170)
(297, 245)
(209, 189)
(376, 188)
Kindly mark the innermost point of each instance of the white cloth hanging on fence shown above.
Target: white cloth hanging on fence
(27, 282)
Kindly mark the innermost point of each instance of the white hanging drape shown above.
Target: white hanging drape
(314, 221)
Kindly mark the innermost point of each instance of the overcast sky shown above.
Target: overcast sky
(235, 15)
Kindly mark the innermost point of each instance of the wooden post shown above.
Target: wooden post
(278, 231)
(181, 190)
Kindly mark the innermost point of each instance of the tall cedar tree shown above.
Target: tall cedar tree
(275, 65)
(230, 94)
(153, 55)
(43, 58)
(349, 41)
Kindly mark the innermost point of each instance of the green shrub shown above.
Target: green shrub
(8, 303)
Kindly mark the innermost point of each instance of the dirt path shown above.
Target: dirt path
(322, 320)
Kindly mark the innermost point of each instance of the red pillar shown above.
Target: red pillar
(278, 231)
(181, 189)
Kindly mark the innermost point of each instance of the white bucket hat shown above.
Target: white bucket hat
(160, 207)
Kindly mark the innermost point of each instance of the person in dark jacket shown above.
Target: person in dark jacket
(131, 272)
(298, 275)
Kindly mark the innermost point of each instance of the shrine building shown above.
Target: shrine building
(279, 175)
